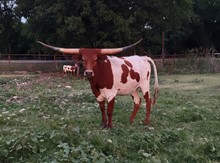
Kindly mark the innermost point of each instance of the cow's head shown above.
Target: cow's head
(90, 57)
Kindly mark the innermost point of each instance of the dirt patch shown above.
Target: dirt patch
(17, 74)
(26, 73)
(217, 87)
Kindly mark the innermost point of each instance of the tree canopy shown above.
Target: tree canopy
(103, 23)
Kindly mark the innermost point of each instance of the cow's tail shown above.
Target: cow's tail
(156, 86)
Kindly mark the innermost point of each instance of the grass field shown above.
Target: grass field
(50, 118)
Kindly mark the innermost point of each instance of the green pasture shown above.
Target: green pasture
(52, 118)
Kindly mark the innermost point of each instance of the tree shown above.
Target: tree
(10, 28)
(79, 23)
(104, 23)
(205, 29)
(170, 17)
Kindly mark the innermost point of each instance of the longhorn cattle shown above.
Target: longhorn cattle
(70, 69)
(110, 76)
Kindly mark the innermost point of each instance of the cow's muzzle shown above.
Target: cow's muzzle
(89, 73)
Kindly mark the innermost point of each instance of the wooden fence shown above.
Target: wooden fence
(183, 63)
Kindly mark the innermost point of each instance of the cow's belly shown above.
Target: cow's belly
(126, 89)
(118, 89)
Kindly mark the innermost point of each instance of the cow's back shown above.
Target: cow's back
(129, 73)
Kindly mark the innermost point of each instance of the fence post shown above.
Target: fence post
(163, 51)
(55, 62)
(9, 59)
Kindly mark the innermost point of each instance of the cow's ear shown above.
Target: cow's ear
(80, 57)
(77, 57)
(101, 58)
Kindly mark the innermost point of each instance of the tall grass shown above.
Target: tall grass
(50, 118)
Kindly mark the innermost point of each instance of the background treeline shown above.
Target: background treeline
(186, 24)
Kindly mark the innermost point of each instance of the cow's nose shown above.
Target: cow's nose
(89, 73)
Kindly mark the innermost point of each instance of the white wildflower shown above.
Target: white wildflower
(147, 155)
(151, 128)
(5, 112)
(46, 117)
(21, 111)
(15, 97)
(109, 140)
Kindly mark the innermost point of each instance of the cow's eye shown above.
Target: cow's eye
(99, 60)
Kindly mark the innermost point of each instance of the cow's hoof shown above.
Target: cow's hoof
(145, 122)
(109, 127)
(131, 122)
(104, 126)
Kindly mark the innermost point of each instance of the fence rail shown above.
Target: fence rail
(34, 57)
(69, 57)
(53, 62)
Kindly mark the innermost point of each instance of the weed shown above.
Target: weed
(55, 119)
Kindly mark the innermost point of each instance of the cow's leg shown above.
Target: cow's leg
(77, 71)
(110, 112)
(104, 119)
(148, 107)
(146, 92)
(137, 102)
(64, 72)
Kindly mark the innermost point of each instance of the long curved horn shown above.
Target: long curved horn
(62, 50)
(118, 50)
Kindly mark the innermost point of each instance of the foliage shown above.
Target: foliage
(11, 36)
(98, 23)
(50, 118)
(189, 65)
(208, 20)
(88, 23)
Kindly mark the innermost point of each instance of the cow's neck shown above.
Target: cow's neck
(103, 77)
(94, 87)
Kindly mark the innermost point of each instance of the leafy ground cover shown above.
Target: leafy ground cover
(51, 118)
